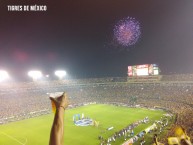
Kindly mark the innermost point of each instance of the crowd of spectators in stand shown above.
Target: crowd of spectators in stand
(178, 77)
(23, 100)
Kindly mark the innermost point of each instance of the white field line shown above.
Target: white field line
(13, 138)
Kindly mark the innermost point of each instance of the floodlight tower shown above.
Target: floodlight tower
(3, 75)
(60, 74)
(35, 74)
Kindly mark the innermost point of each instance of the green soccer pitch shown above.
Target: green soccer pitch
(36, 131)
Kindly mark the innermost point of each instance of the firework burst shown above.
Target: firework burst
(127, 31)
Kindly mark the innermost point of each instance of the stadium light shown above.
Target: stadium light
(3, 75)
(35, 74)
(60, 73)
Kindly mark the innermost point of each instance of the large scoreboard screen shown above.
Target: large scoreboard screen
(143, 70)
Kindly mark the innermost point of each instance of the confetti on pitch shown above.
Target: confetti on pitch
(127, 31)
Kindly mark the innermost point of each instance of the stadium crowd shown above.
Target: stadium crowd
(24, 100)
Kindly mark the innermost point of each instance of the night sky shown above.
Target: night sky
(77, 35)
